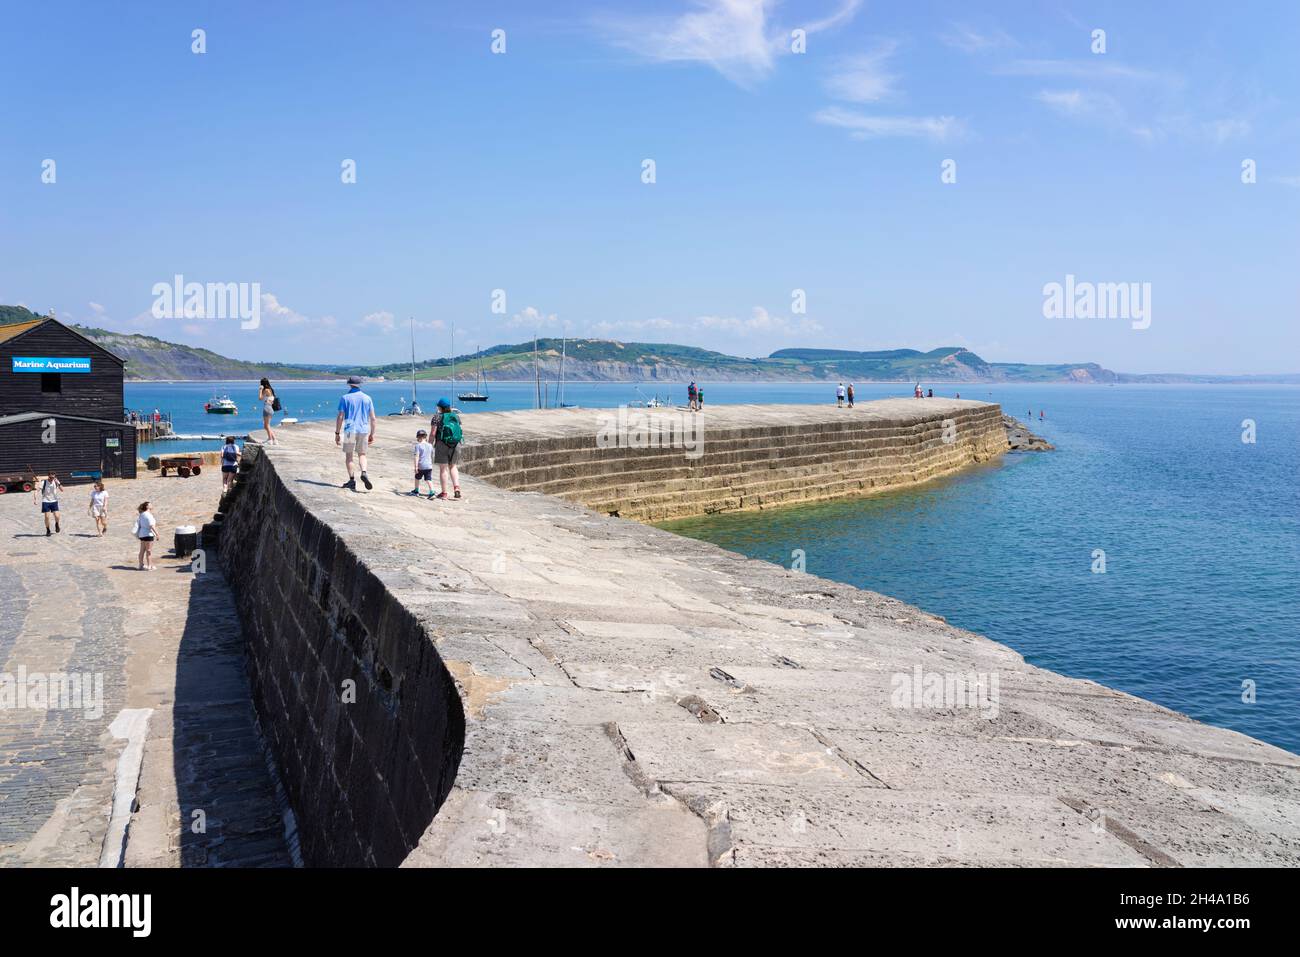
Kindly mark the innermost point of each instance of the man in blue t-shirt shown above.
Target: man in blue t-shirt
(355, 425)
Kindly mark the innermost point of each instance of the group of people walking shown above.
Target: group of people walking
(695, 397)
(842, 394)
(354, 432)
(47, 495)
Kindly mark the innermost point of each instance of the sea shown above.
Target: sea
(1156, 551)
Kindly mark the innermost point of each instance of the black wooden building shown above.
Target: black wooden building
(61, 406)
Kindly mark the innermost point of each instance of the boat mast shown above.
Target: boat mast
(415, 399)
(537, 375)
(564, 351)
(453, 357)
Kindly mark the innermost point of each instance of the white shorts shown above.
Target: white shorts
(355, 442)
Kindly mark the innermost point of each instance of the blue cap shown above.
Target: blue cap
(444, 403)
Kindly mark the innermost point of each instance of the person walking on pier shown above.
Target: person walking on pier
(690, 396)
(270, 405)
(699, 399)
(447, 435)
(146, 530)
(850, 395)
(839, 396)
(49, 499)
(230, 456)
(356, 424)
(99, 507)
(423, 462)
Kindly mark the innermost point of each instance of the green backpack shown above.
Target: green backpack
(449, 430)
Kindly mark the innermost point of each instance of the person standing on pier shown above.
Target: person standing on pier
(690, 396)
(446, 431)
(49, 499)
(850, 395)
(99, 507)
(699, 399)
(839, 396)
(356, 424)
(146, 530)
(270, 406)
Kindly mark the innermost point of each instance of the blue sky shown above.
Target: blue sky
(775, 171)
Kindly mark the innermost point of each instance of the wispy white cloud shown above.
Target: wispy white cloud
(1101, 108)
(968, 40)
(1098, 68)
(1082, 103)
(865, 78)
(276, 311)
(613, 327)
(738, 38)
(760, 323)
(1292, 181)
(534, 319)
(864, 126)
(1226, 129)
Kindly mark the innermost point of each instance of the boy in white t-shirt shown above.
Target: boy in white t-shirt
(423, 461)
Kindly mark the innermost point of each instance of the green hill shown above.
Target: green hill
(150, 358)
(593, 360)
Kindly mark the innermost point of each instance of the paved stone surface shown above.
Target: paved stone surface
(166, 640)
(632, 698)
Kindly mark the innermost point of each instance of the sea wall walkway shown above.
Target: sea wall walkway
(515, 679)
(658, 464)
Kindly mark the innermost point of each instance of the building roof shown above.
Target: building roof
(30, 416)
(19, 329)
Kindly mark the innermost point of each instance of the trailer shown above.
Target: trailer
(16, 483)
(185, 465)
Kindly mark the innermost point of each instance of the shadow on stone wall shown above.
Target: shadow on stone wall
(364, 721)
(229, 813)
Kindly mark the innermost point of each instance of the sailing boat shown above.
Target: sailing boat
(414, 407)
(564, 354)
(479, 383)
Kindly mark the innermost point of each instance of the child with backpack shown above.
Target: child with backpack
(423, 462)
(49, 500)
(230, 456)
(445, 428)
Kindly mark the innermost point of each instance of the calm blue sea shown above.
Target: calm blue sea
(1201, 532)
(319, 400)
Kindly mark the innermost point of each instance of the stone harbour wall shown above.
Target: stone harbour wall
(363, 719)
(659, 464)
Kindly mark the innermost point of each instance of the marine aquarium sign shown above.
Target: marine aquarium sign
(48, 364)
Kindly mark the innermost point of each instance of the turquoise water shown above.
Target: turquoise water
(1201, 532)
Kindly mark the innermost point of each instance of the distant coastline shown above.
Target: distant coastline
(584, 360)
